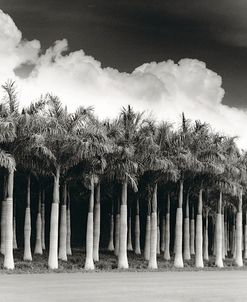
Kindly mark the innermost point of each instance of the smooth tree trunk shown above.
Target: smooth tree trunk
(245, 236)
(15, 247)
(89, 263)
(96, 230)
(38, 242)
(219, 260)
(137, 229)
(233, 237)
(158, 234)
(214, 238)
(27, 224)
(129, 244)
(239, 232)
(192, 232)
(53, 246)
(8, 262)
(152, 264)
(167, 230)
(199, 233)
(43, 220)
(223, 235)
(117, 229)
(68, 217)
(62, 251)
(163, 231)
(187, 230)
(3, 225)
(226, 235)
(147, 234)
(178, 261)
(122, 255)
(205, 241)
(111, 241)
(3, 214)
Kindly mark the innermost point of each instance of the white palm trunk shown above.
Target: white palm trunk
(226, 236)
(214, 239)
(152, 264)
(178, 261)
(218, 260)
(205, 241)
(117, 234)
(187, 231)
(137, 230)
(62, 251)
(239, 233)
(43, 220)
(233, 237)
(62, 254)
(199, 233)
(14, 234)
(27, 226)
(245, 237)
(223, 236)
(89, 264)
(38, 242)
(68, 238)
(111, 242)
(3, 226)
(8, 262)
(163, 231)
(129, 243)
(122, 255)
(192, 232)
(53, 246)
(158, 235)
(147, 237)
(167, 231)
(96, 231)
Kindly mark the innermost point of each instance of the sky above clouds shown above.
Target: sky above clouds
(163, 58)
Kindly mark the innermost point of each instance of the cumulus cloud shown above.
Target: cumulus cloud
(166, 89)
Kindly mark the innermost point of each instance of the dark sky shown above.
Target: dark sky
(126, 34)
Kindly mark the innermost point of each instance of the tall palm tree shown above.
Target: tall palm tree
(38, 242)
(62, 254)
(122, 166)
(61, 139)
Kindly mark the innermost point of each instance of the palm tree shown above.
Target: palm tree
(96, 230)
(61, 139)
(122, 166)
(38, 242)
(62, 254)
(68, 223)
(8, 117)
(187, 230)
(43, 220)
(137, 229)
(27, 224)
(111, 243)
(167, 230)
(155, 166)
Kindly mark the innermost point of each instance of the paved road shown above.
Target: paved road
(127, 286)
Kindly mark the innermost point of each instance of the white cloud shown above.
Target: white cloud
(166, 89)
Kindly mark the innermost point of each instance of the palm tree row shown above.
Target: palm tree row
(144, 167)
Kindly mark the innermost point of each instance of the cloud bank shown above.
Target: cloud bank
(164, 89)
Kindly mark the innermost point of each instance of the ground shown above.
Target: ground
(107, 263)
(126, 286)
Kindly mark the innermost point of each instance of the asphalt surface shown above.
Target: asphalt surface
(125, 286)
